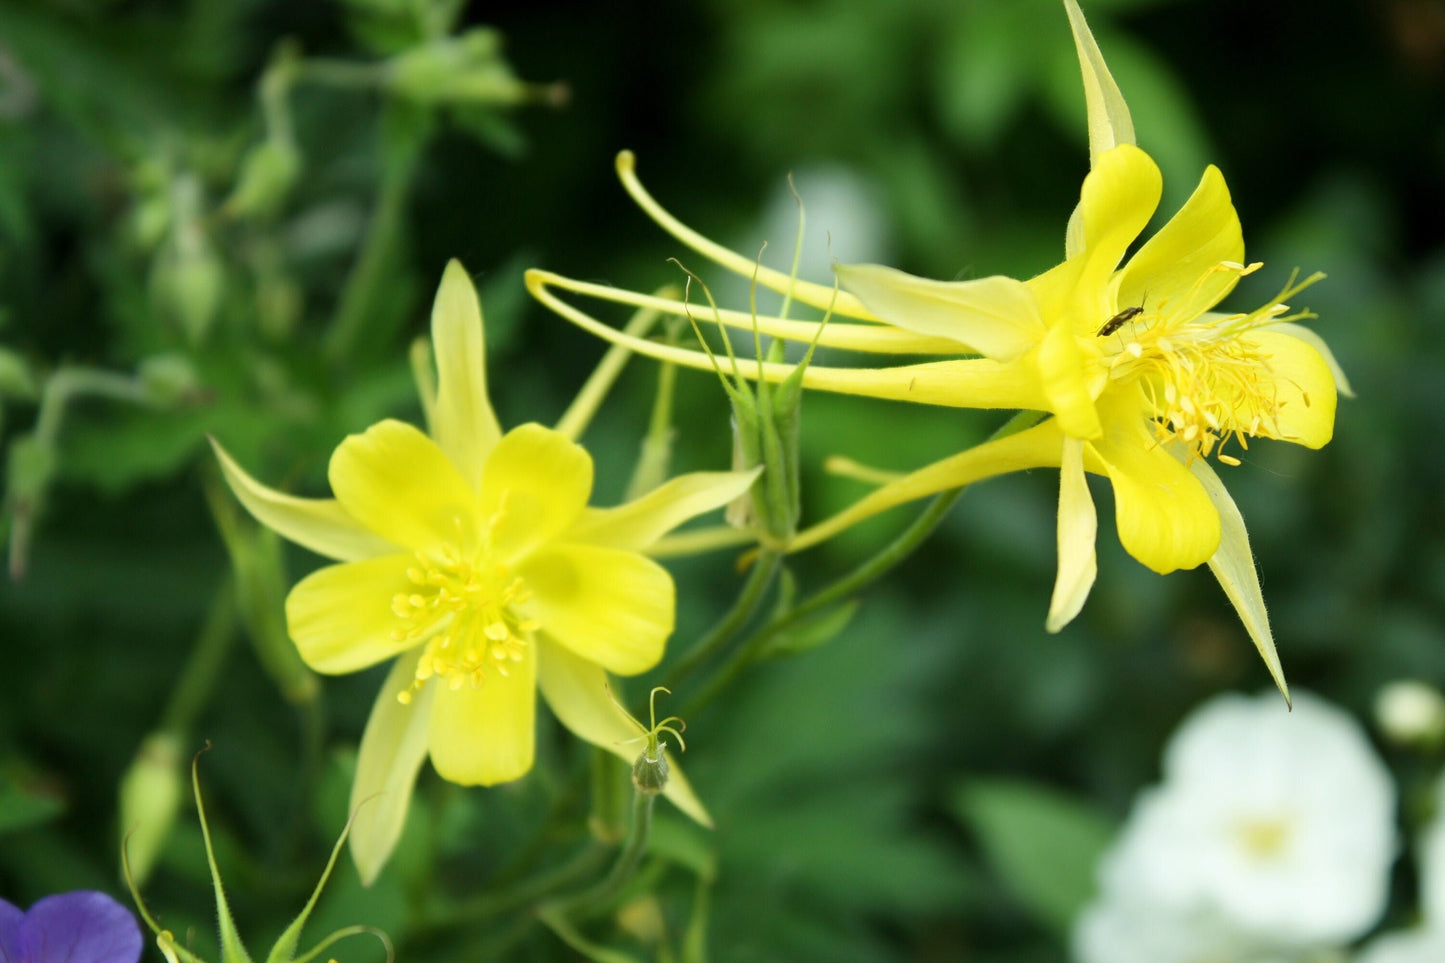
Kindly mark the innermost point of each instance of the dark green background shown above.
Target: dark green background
(857, 788)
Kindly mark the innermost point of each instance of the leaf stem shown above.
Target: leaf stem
(751, 596)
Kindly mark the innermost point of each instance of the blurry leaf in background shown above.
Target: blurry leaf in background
(1043, 844)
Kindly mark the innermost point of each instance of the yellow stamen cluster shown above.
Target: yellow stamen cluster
(1264, 839)
(1204, 383)
(465, 610)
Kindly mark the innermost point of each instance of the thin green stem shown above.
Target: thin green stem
(341, 73)
(363, 284)
(875, 567)
(193, 689)
(746, 606)
(600, 895)
(69, 383)
(516, 896)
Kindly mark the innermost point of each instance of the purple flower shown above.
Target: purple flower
(79, 927)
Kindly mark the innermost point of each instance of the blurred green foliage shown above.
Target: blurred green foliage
(227, 216)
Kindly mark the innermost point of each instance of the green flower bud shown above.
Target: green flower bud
(168, 379)
(268, 172)
(649, 772)
(150, 797)
(188, 281)
(468, 69)
(149, 221)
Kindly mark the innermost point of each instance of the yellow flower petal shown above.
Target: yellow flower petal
(968, 383)
(393, 748)
(1038, 447)
(488, 734)
(1309, 337)
(881, 339)
(1078, 529)
(609, 606)
(576, 691)
(340, 616)
(466, 427)
(320, 524)
(1118, 199)
(995, 315)
(815, 295)
(535, 485)
(1109, 122)
(1065, 383)
(1173, 270)
(1164, 516)
(1233, 565)
(1304, 388)
(638, 524)
(398, 483)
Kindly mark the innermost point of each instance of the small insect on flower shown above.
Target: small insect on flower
(1120, 319)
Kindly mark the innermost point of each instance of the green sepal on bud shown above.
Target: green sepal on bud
(467, 69)
(233, 950)
(168, 380)
(268, 172)
(649, 772)
(767, 427)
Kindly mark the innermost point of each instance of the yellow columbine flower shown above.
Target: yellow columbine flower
(472, 557)
(1144, 379)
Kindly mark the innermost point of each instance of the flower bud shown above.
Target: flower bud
(1411, 713)
(168, 379)
(649, 772)
(267, 174)
(187, 280)
(464, 69)
(150, 797)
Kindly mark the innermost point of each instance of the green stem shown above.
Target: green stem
(69, 383)
(599, 896)
(872, 569)
(193, 689)
(754, 590)
(362, 285)
(516, 896)
(341, 73)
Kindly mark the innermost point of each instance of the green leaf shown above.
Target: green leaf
(1045, 845)
(685, 843)
(811, 632)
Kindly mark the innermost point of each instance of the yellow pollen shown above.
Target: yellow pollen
(1205, 380)
(465, 612)
(1264, 839)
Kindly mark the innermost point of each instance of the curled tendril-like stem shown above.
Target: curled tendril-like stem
(672, 725)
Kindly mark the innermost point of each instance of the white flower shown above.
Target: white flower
(1422, 946)
(1272, 834)
(1115, 931)
(1431, 856)
(1426, 944)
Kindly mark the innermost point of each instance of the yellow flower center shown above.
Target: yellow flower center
(464, 610)
(1264, 839)
(1202, 382)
